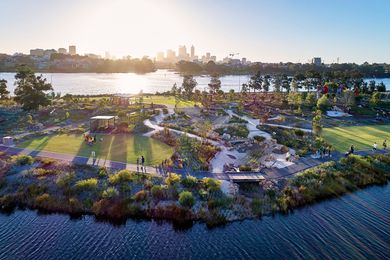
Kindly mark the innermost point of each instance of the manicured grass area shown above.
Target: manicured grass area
(362, 137)
(168, 100)
(121, 147)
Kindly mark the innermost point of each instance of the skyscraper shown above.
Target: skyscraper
(72, 50)
(182, 52)
(192, 51)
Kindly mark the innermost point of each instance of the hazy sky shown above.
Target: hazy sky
(271, 31)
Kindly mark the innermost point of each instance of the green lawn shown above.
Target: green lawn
(168, 100)
(362, 137)
(123, 148)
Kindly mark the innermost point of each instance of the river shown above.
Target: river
(131, 83)
(354, 226)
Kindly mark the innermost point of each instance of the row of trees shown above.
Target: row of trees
(333, 71)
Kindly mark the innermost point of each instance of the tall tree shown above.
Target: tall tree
(256, 82)
(215, 83)
(3, 89)
(266, 83)
(31, 91)
(189, 84)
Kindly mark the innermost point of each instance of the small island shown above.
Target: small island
(189, 155)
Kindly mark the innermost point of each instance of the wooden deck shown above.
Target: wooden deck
(245, 176)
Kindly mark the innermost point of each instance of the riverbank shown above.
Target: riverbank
(54, 186)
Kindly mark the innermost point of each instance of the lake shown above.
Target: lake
(111, 83)
(354, 226)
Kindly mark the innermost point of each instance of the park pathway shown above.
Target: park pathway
(268, 173)
(77, 159)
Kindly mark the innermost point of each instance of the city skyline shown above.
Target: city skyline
(261, 31)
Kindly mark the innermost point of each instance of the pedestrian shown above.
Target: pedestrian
(137, 162)
(329, 151)
(288, 155)
(93, 154)
(384, 144)
(143, 160)
(352, 149)
(374, 146)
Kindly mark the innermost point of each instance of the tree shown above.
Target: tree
(375, 99)
(277, 84)
(256, 82)
(323, 103)
(266, 84)
(3, 89)
(231, 95)
(189, 84)
(294, 85)
(317, 126)
(215, 83)
(348, 98)
(310, 99)
(31, 91)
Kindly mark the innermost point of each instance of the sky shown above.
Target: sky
(260, 30)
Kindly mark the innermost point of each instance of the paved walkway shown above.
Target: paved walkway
(268, 174)
(77, 159)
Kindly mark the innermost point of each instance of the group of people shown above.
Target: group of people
(374, 147)
(141, 162)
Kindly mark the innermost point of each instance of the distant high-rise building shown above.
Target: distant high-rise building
(37, 52)
(192, 52)
(316, 61)
(243, 61)
(160, 56)
(182, 52)
(62, 51)
(72, 50)
(171, 56)
(107, 55)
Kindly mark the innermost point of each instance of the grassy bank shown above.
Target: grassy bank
(362, 137)
(78, 189)
(118, 147)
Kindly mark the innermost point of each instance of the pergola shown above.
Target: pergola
(101, 123)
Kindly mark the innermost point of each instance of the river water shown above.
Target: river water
(354, 226)
(131, 83)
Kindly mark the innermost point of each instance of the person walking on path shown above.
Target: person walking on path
(137, 164)
(374, 146)
(385, 144)
(143, 163)
(93, 154)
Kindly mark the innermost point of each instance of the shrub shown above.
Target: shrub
(211, 184)
(102, 172)
(165, 111)
(140, 196)
(121, 177)
(46, 161)
(299, 132)
(259, 138)
(245, 168)
(157, 192)
(22, 159)
(189, 182)
(110, 192)
(172, 179)
(40, 172)
(256, 206)
(186, 199)
(65, 180)
(87, 184)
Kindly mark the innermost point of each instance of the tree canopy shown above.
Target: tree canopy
(31, 90)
